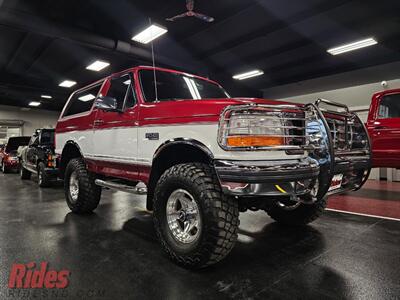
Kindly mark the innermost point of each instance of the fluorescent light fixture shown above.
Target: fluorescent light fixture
(87, 97)
(34, 103)
(249, 74)
(46, 96)
(98, 65)
(67, 83)
(149, 34)
(352, 46)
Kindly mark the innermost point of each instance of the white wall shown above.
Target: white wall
(33, 118)
(354, 96)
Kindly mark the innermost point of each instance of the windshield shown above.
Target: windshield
(47, 137)
(15, 142)
(174, 86)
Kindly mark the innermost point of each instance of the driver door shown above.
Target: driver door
(116, 133)
(386, 131)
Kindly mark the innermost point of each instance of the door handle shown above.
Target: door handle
(380, 127)
(98, 122)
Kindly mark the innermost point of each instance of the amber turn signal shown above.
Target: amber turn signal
(254, 141)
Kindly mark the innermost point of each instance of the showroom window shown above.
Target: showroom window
(82, 101)
(9, 131)
(174, 86)
(389, 107)
(120, 90)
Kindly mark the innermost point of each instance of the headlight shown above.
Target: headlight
(254, 130)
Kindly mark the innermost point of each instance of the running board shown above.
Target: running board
(121, 187)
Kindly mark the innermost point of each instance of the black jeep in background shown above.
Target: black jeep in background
(39, 158)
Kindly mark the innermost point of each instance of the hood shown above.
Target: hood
(199, 108)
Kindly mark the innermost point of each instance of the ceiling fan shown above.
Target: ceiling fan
(191, 13)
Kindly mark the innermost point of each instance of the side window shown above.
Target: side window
(120, 89)
(389, 107)
(82, 101)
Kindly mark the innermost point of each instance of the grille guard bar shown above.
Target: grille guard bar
(354, 164)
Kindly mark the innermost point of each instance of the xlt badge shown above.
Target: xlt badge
(153, 136)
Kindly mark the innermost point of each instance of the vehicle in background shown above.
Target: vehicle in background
(39, 158)
(383, 126)
(9, 157)
(202, 156)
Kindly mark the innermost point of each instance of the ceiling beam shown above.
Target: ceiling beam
(270, 28)
(29, 23)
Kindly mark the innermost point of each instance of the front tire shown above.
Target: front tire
(81, 192)
(24, 173)
(195, 222)
(297, 215)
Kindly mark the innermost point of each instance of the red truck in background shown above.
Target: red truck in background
(384, 128)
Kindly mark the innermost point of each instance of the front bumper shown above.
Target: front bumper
(266, 171)
(267, 178)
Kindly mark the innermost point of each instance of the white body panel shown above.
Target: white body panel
(129, 144)
(120, 143)
(83, 138)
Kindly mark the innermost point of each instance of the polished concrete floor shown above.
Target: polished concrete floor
(113, 253)
(377, 197)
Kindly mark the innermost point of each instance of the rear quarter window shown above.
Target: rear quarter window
(82, 101)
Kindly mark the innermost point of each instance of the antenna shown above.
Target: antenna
(154, 64)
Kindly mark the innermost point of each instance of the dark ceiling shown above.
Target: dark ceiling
(44, 42)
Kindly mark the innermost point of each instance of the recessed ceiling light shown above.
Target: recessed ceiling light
(87, 97)
(34, 103)
(247, 75)
(98, 65)
(352, 46)
(67, 83)
(149, 34)
(46, 96)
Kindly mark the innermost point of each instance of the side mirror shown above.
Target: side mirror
(106, 103)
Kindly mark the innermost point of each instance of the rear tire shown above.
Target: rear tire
(24, 173)
(213, 217)
(43, 178)
(81, 193)
(301, 215)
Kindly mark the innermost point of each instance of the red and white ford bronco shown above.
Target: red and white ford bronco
(202, 156)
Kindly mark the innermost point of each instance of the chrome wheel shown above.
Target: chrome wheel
(74, 186)
(183, 217)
